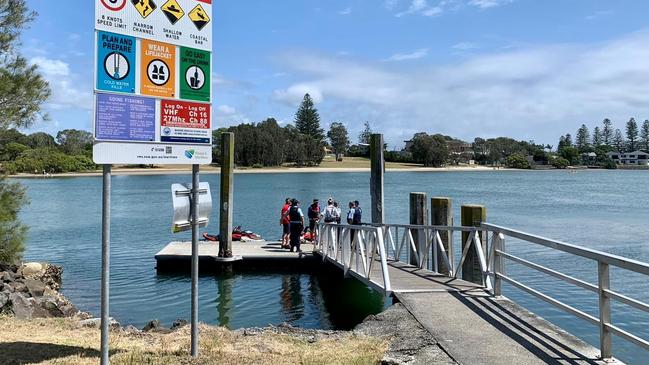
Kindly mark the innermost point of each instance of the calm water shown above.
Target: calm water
(604, 210)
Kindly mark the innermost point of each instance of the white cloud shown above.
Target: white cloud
(294, 94)
(423, 7)
(417, 54)
(464, 46)
(67, 93)
(531, 93)
(346, 11)
(50, 67)
(484, 4)
(228, 115)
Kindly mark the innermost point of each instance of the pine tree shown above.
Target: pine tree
(607, 132)
(22, 92)
(632, 134)
(597, 137)
(568, 140)
(307, 120)
(618, 141)
(644, 135)
(339, 139)
(583, 137)
(365, 135)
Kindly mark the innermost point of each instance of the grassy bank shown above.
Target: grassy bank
(63, 341)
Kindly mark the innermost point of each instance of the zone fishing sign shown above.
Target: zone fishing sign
(185, 23)
(153, 91)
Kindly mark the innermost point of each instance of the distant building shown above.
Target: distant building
(630, 158)
(589, 158)
(408, 146)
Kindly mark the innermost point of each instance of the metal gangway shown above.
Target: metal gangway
(397, 258)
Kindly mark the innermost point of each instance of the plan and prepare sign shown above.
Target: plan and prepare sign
(116, 62)
(153, 85)
(185, 23)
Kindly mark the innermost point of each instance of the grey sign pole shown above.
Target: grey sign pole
(105, 264)
(195, 228)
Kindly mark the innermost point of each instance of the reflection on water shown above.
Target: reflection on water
(224, 299)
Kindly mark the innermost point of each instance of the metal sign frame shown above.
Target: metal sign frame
(127, 126)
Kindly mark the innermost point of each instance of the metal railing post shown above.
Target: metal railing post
(499, 246)
(604, 281)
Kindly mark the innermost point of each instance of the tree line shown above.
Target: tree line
(42, 153)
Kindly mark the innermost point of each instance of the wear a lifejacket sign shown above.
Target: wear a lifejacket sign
(116, 62)
(185, 122)
(195, 74)
(158, 69)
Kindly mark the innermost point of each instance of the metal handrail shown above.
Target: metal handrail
(375, 238)
(604, 261)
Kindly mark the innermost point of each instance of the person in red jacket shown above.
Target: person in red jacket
(285, 222)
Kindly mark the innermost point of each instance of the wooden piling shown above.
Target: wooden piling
(441, 214)
(418, 216)
(227, 193)
(472, 216)
(377, 164)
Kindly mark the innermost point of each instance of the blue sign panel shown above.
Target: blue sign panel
(115, 62)
(125, 118)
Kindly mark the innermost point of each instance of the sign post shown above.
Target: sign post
(153, 97)
(105, 262)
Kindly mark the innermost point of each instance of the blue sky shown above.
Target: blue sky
(529, 69)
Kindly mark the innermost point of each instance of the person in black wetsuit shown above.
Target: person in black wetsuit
(297, 224)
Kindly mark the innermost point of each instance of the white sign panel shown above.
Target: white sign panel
(181, 22)
(150, 154)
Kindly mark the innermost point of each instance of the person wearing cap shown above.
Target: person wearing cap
(331, 213)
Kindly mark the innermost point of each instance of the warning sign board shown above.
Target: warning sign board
(144, 7)
(185, 23)
(115, 62)
(153, 85)
(173, 11)
(158, 69)
(199, 17)
(185, 122)
(195, 74)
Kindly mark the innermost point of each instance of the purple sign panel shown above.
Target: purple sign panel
(125, 118)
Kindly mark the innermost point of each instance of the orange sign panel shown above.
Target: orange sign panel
(158, 75)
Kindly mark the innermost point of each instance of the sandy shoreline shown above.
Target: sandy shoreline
(210, 170)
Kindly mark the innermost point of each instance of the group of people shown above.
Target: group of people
(293, 221)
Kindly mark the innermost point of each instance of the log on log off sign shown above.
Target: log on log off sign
(153, 89)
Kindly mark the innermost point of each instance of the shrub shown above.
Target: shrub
(518, 161)
(560, 163)
(12, 231)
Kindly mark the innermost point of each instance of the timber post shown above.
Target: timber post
(419, 217)
(441, 214)
(227, 193)
(377, 165)
(473, 216)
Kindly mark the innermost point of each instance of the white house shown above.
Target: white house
(630, 158)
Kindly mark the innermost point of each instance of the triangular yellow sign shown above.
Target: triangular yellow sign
(199, 17)
(173, 11)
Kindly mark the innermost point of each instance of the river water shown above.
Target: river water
(603, 210)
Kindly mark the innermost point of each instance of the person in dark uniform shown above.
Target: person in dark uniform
(296, 218)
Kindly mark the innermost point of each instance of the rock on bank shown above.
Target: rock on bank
(32, 291)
